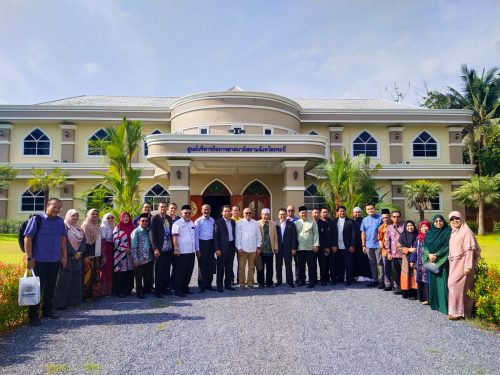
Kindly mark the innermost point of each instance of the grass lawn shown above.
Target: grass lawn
(490, 248)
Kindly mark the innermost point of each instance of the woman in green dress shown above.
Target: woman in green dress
(436, 248)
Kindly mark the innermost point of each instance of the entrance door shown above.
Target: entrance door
(216, 195)
(256, 197)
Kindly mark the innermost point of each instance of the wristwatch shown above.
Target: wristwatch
(29, 258)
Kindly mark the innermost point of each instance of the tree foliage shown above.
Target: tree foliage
(347, 181)
(7, 173)
(121, 179)
(479, 192)
(420, 194)
(47, 180)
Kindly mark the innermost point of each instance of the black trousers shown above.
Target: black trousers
(120, 282)
(238, 267)
(396, 271)
(344, 261)
(296, 261)
(162, 267)
(326, 266)
(307, 257)
(47, 272)
(422, 294)
(285, 257)
(143, 278)
(183, 271)
(206, 264)
(225, 268)
(267, 270)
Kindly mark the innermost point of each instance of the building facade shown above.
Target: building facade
(253, 149)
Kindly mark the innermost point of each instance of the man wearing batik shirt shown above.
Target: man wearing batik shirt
(142, 256)
(394, 255)
(386, 265)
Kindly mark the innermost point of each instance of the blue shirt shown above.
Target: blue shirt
(203, 229)
(47, 244)
(142, 250)
(370, 225)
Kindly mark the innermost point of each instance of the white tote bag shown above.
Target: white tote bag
(29, 290)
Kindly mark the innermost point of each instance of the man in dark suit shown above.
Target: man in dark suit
(224, 238)
(326, 257)
(161, 238)
(287, 248)
(343, 246)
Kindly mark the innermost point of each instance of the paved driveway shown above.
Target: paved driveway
(326, 330)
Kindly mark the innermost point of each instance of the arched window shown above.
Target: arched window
(155, 195)
(33, 201)
(312, 199)
(312, 132)
(99, 198)
(36, 143)
(97, 143)
(146, 145)
(424, 146)
(365, 144)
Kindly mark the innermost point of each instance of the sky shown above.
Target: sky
(54, 49)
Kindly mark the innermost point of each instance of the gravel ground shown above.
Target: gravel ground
(325, 330)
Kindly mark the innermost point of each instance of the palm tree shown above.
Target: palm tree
(47, 181)
(121, 179)
(478, 192)
(481, 95)
(7, 173)
(420, 194)
(347, 181)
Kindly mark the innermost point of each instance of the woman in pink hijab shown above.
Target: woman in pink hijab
(463, 256)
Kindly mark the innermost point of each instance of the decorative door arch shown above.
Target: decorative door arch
(256, 197)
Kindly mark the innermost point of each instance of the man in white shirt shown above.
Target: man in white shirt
(248, 240)
(343, 246)
(183, 235)
(204, 232)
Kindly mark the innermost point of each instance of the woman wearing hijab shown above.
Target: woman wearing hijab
(92, 258)
(107, 227)
(463, 257)
(416, 260)
(436, 248)
(408, 245)
(69, 282)
(122, 263)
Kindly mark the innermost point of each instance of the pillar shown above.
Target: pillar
(455, 145)
(293, 183)
(5, 135)
(67, 142)
(398, 196)
(396, 144)
(179, 181)
(336, 144)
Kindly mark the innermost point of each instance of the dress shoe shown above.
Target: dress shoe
(398, 292)
(270, 285)
(230, 288)
(158, 295)
(50, 315)
(180, 294)
(324, 283)
(387, 289)
(279, 283)
(35, 322)
(381, 286)
(220, 290)
(202, 290)
(121, 295)
(261, 286)
(347, 283)
(291, 285)
(187, 292)
(211, 289)
(168, 292)
(300, 284)
(250, 287)
(372, 284)
(311, 285)
(141, 296)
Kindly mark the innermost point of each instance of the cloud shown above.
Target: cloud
(89, 69)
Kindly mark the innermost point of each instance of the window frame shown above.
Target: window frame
(24, 155)
(87, 145)
(440, 201)
(438, 149)
(375, 139)
(153, 208)
(21, 196)
(200, 128)
(314, 203)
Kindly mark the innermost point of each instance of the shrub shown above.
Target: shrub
(472, 225)
(11, 314)
(496, 227)
(9, 226)
(487, 292)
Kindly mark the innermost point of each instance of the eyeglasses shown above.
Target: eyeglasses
(455, 218)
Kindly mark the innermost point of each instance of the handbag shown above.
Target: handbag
(432, 267)
(29, 290)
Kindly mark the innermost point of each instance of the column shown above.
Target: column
(396, 144)
(66, 194)
(455, 145)
(336, 139)
(455, 204)
(179, 181)
(5, 136)
(293, 183)
(398, 196)
(67, 142)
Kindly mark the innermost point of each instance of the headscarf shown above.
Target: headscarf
(408, 239)
(127, 228)
(106, 228)
(436, 238)
(463, 237)
(91, 229)
(75, 233)
(421, 235)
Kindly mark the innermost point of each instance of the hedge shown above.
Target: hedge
(11, 314)
(487, 293)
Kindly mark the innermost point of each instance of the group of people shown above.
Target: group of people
(157, 254)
